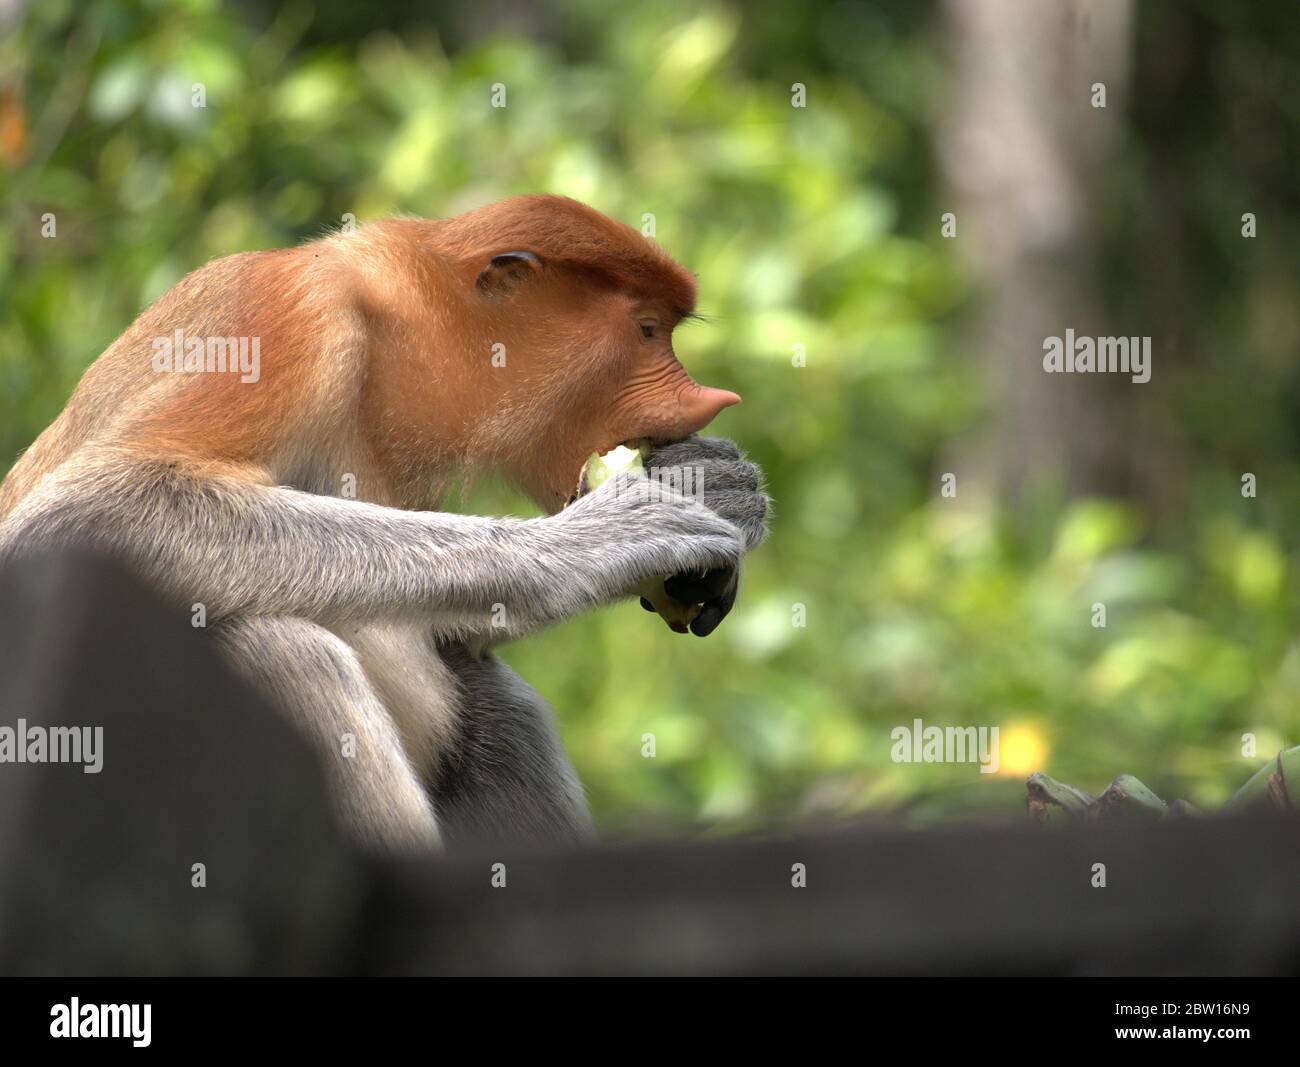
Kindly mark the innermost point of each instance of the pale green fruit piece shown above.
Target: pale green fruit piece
(616, 461)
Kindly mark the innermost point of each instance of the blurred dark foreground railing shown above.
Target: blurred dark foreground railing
(98, 870)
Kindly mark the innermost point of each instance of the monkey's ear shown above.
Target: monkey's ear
(507, 272)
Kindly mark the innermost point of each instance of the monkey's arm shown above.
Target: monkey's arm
(720, 477)
(243, 547)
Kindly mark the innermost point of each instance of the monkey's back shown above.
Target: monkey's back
(121, 394)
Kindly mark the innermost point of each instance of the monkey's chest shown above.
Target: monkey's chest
(411, 679)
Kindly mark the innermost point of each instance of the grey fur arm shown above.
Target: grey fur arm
(243, 548)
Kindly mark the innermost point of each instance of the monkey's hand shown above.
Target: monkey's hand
(715, 472)
(633, 529)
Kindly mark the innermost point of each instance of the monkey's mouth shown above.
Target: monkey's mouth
(582, 483)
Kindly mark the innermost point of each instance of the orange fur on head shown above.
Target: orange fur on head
(574, 372)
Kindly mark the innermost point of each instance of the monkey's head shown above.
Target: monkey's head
(569, 349)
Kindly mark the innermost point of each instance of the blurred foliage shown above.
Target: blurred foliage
(811, 227)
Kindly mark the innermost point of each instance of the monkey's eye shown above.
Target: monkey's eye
(648, 330)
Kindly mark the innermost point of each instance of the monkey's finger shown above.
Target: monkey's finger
(697, 588)
(714, 611)
(709, 618)
(696, 448)
(647, 605)
(708, 470)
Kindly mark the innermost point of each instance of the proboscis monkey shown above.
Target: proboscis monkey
(295, 495)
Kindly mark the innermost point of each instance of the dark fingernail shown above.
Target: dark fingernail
(647, 605)
(706, 621)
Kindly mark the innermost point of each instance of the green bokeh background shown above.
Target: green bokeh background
(815, 227)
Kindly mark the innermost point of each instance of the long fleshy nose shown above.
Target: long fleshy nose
(700, 404)
(665, 402)
(679, 406)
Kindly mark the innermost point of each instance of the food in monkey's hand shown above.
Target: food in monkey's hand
(596, 472)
